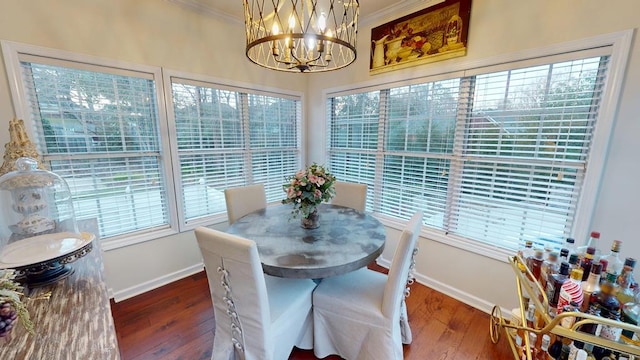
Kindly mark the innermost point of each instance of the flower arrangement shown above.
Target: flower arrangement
(308, 188)
(11, 307)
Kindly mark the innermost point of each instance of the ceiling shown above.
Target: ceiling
(369, 9)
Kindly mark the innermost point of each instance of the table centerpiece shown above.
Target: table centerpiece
(307, 189)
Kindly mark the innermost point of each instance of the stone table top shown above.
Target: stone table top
(346, 240)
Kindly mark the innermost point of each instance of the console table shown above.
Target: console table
(76, 322)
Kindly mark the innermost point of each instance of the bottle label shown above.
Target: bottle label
(573, 351)
(568, 322)
(570, 291)
(610, 332)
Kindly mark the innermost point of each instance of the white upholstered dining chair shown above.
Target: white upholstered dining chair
(351, 195)
(257, 316)
(362, 315)
(243, 200)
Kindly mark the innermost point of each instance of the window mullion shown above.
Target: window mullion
(246, 128)
(383, 120)
(465, 108)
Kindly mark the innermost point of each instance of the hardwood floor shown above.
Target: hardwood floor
(176, 322)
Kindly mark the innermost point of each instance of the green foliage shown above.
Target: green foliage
(11, 292)
(308, 188)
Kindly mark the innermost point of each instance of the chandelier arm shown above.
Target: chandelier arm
(332, 24)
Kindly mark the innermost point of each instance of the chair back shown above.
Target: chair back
(238, 291)
(400, 266)
(243, 200)
(351, 195)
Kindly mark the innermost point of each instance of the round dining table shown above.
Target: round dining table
(345, 240)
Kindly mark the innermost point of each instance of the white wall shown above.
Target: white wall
(156, 32)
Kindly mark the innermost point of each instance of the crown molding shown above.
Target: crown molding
(388, 13)
(397, 10)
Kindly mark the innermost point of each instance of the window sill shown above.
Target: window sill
(476, 247)
(117, 242)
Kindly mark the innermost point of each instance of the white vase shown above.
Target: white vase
(393, 46)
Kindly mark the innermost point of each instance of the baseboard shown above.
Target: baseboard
(155, 283)
(453, 292)
(448, 290)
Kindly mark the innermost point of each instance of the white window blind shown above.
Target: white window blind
(353, 138)
(527, 136)
(228, 138)
(495, 157)
(98, 129)
(274, 141)
(418, 149)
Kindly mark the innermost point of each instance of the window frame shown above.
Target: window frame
(13, 52)
(220, 84)
(618, 45)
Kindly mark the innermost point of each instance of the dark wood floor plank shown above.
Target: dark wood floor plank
(176, 322)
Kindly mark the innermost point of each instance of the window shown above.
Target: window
(494, 157)
(228, 138)
(145, 168)
(98, 129)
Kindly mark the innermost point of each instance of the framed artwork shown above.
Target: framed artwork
(436, 33)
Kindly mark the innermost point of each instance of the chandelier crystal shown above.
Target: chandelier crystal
(301, 35)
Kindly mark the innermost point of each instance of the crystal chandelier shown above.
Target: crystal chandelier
(301, 35)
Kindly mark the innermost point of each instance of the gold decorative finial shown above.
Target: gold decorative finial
(18, 146)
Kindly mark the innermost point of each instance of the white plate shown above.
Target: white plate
(41, 248)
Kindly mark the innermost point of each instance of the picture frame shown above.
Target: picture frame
(436, 33)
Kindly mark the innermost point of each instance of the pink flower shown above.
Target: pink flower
(313, 179)
(317, 194)
(320, 181)
(291, 193)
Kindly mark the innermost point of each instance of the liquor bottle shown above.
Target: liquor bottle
(570, 290)
(592, 285)
(625, 292)
(594, 242)
(611, 332)
(625, 279)
(535, 263)
(550, 266)
(554, 284)
(589, 349)
(601, 353)
(586, 262)
(520, 347)
(556, 348)
(570, 245)
(573, 349)
(533, 340)
(609, 308)
(568, 321)
(543, 354)
(574, 261)
(613, 263)
(591, 328)
(526, 251)
(564, 255)
(566, 349)
(530, 315)
(631, 315)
